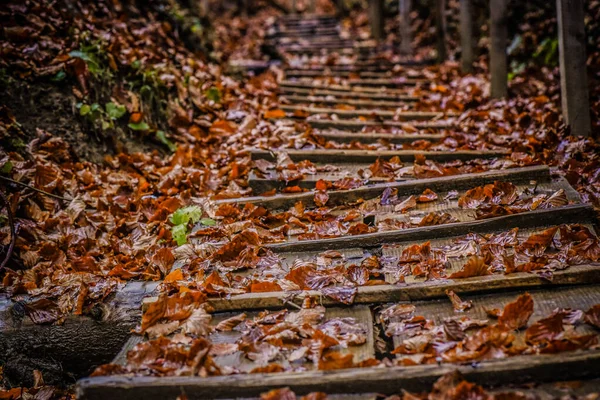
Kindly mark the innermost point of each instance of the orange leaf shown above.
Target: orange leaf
(221, 126)
(336, 360)
(274, 114)
(427, 196)
(174, 276)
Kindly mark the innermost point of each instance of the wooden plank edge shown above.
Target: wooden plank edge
(575, 213)
(404, 115)
(369, 156)
(512, 370)
(539, 173)
(574, 275)
(342, 137)
(359, 125)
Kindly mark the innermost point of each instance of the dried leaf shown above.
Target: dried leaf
(516, 314)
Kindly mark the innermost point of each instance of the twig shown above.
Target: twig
(292, 304)
(13, 233)
(34, 188)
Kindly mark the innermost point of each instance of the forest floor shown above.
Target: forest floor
(170, 213)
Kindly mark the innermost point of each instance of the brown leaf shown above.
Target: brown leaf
(427, 196)
(228, 324)
(321, 198)
(278, 394)
(475, 266)
(164, 260)
(458, 304)
(546, 329)
(516, 314)
(592, 316)
(341, 294)
(42, 311)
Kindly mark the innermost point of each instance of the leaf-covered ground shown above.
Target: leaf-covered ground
(121, 124)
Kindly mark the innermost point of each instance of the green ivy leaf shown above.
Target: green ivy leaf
(115, 111)
(85, 109)
(179, 234)
(180, 219)
(186, 214)
(140, 126)
(161, 136)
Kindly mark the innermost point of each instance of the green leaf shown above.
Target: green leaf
(60, 75)
(115, 111)
(140, 126)
(181, 218)
(7, 167)
(85, 109)
(161, 136)
(95, 107)
(208, 222)
(214, 94)
(186, 214)
(179, 234)
(136, 64)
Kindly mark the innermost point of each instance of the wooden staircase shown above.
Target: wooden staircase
(315, 96)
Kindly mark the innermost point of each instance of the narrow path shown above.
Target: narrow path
(385, 221)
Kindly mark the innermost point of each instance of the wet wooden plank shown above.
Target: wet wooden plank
(326, 72)
(456, 182)
(398, 115)
(332, 156)
(359, 82)
(345, 92)
(349, 137)
(350, 102)
(530, 390)
(577, 213)
(515, 370)
(575, 275)
(355, 125)
(361, 314)
(545, 302)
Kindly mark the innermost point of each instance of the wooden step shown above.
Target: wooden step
(365, 83)
(349, 137)
(577, 213)
(380, 294)
(568, 365)
(356, 125)
(398, 115)
(328, 100)
(332, 156)
(349, 93)
(405, 188)
(301, 73)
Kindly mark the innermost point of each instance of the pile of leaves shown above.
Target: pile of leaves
(267, 342)
(463, 339)
(242, 266)
(281, 341)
